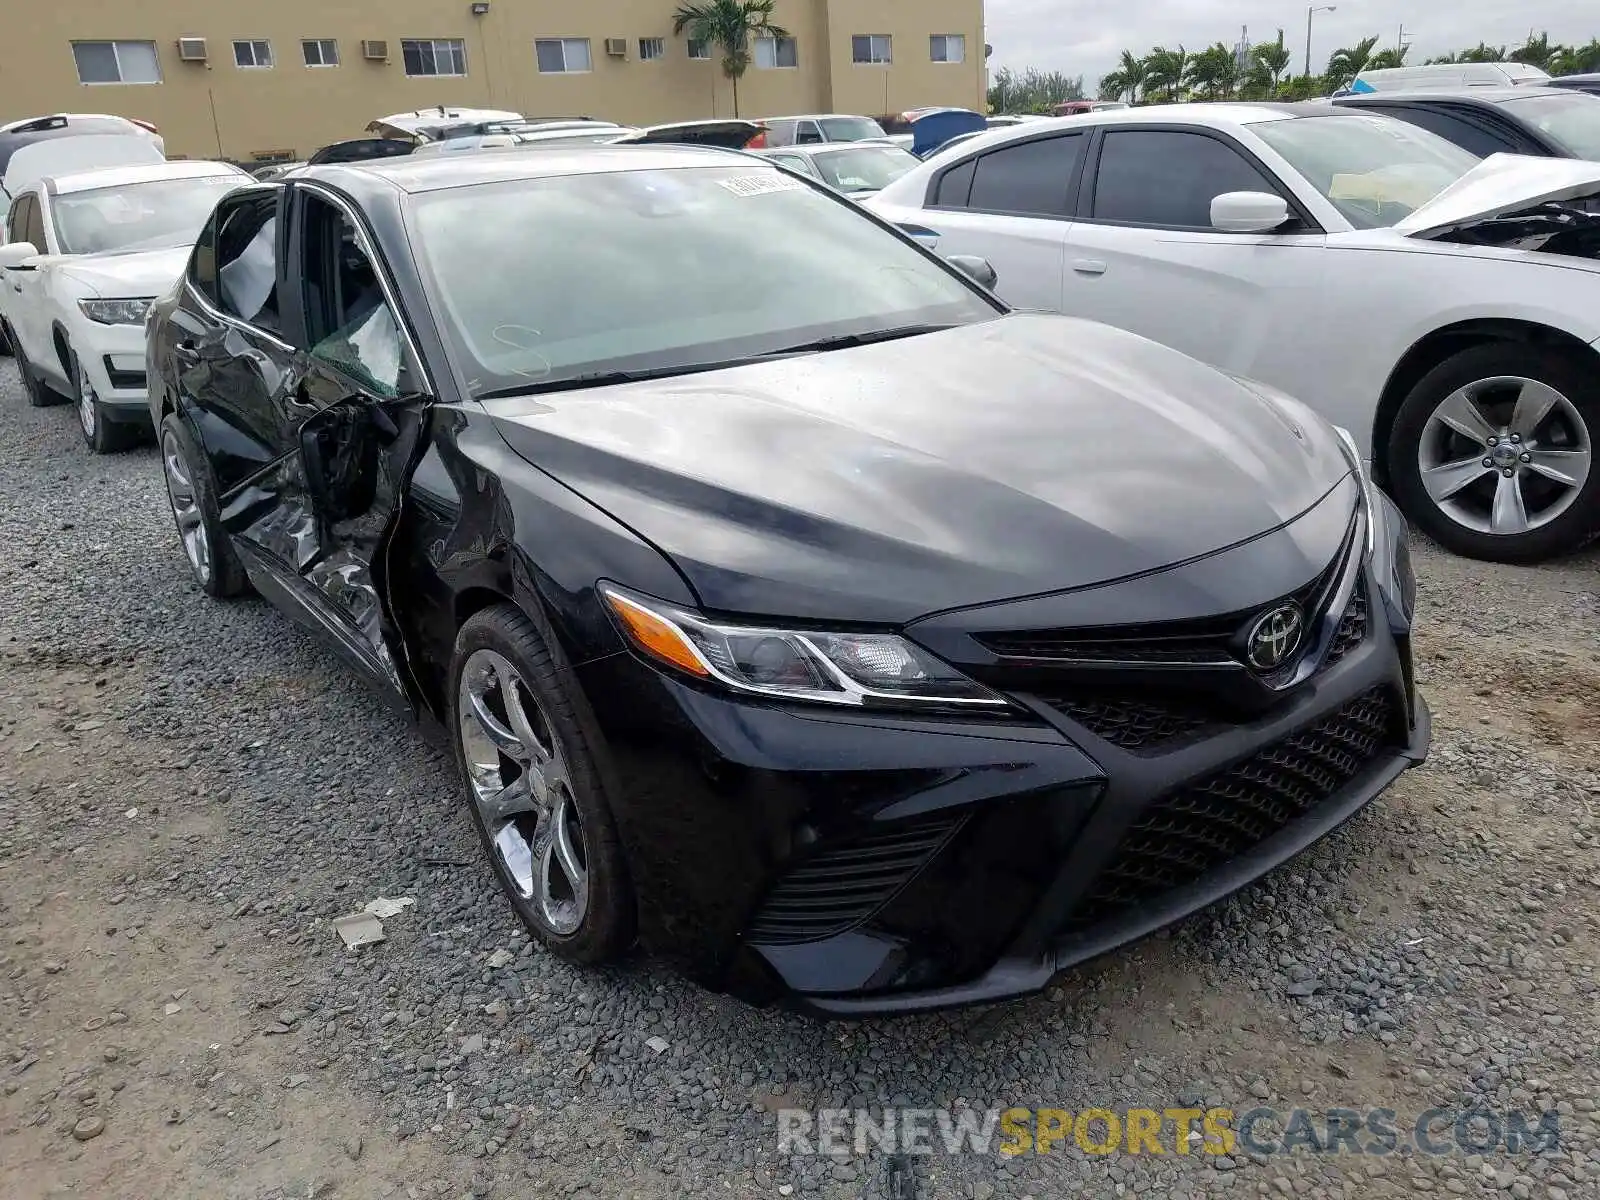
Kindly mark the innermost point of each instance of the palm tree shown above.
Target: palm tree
(1443, 59)
(1482, 53)
(1537, 52)
(1164, 70)
(1575, 60)
(1272, 59)
(729, 25)
(1394, 56)
(1131, 67)
(1213, 72)
(1347, 63)
(1113, 86)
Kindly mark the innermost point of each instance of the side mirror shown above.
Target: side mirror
(979, 270)
(14, 254)
(1248, 212)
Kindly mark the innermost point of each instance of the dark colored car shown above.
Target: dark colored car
(1546, 122)
(1587, 82)
(783, 595)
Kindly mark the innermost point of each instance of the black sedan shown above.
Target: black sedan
(1545, 122)
(794, 609)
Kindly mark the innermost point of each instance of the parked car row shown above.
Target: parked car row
(770, 572)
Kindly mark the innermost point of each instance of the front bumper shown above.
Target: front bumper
(855, 864)
(113, 356)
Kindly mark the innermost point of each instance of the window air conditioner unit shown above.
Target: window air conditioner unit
(617, 47)
(192, 49)
(375, 49)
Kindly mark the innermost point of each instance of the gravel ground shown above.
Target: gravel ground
(191, 791)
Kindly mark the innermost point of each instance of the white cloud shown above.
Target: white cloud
(1085, 39)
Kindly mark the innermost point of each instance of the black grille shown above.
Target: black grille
(1194, 830)
(1132, 723)
(844, 884)
(1352, 629)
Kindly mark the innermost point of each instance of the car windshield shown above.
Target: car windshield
(664, 271)
(864, 168)
(1570, 119)
(139, 216)
(849, 129)
(1375, 170)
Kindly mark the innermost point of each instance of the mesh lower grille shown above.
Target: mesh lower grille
(1196, 829)
(1131, 723)
(844, 884)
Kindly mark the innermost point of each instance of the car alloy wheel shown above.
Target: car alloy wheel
(1505, 455)
(88, 405)
(522, 788)
(186, 508)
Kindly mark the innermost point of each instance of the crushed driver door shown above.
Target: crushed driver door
(361, 409)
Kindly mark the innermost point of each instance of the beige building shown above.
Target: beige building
(223, 78)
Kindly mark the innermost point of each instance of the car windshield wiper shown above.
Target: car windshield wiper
(594, 379)
(572, 383)
(845, 341)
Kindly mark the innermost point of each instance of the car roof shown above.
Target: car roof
(79, 181)
(1202, 114)
(1486, 95)
(414, 175)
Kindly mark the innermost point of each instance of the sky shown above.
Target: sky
(1081, 38)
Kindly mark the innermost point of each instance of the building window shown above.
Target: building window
(699, 49)
(774, 53)
(116, 62)
(434, 56)
(320, 52)
(871, 48)
(254, 52)
(651, 49)
(948, 47)
(562, 56)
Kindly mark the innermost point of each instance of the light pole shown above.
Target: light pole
(1312, 11)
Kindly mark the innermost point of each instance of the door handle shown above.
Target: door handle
(1089, 266)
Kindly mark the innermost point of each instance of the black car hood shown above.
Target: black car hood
(1024, 455)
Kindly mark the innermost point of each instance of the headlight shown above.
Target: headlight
(1368, 500)
(858, 669)
(117, 312)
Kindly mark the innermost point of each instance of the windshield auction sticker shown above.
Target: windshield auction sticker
(761, 185)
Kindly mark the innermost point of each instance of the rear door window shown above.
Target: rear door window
(1030, 178)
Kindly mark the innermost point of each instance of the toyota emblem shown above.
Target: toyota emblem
(1274, 638)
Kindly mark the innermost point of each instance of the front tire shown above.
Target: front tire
(212, 561)
(101, 435)
(1492, 453)
(536, 796)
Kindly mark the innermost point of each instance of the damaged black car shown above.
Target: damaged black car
(795, 610)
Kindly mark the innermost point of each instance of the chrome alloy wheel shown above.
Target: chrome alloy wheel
(522, 788)
(186, 507)
(88, 412)
(1504, 455)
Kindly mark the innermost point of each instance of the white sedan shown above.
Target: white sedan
(85, 255)
(1444, 310)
